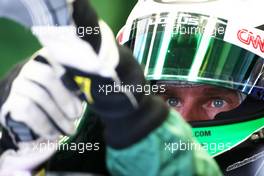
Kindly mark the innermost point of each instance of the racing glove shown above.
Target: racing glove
(99, 65)
(35, 109)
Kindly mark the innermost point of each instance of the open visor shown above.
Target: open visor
(198, 48)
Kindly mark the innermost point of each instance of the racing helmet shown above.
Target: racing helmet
(39, 23)
(16, 19)
(211, 42)
(40, 12)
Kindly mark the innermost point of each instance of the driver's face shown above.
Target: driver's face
(200, 102)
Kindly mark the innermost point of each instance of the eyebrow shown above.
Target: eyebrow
(213, 91)
(210, 91)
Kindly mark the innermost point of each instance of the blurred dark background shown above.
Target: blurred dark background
(114, 12)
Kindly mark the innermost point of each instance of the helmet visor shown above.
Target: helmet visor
(193, 47)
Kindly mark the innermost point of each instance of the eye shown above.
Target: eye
(173, 102)
(218, 103)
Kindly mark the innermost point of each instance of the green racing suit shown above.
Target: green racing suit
(140, 158)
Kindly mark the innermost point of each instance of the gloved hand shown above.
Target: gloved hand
(99, 62)
(35, 108)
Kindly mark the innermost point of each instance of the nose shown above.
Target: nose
(193, 112)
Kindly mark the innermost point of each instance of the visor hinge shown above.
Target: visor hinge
(257, 136)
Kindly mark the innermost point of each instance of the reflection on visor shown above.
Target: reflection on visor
(191, 47)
